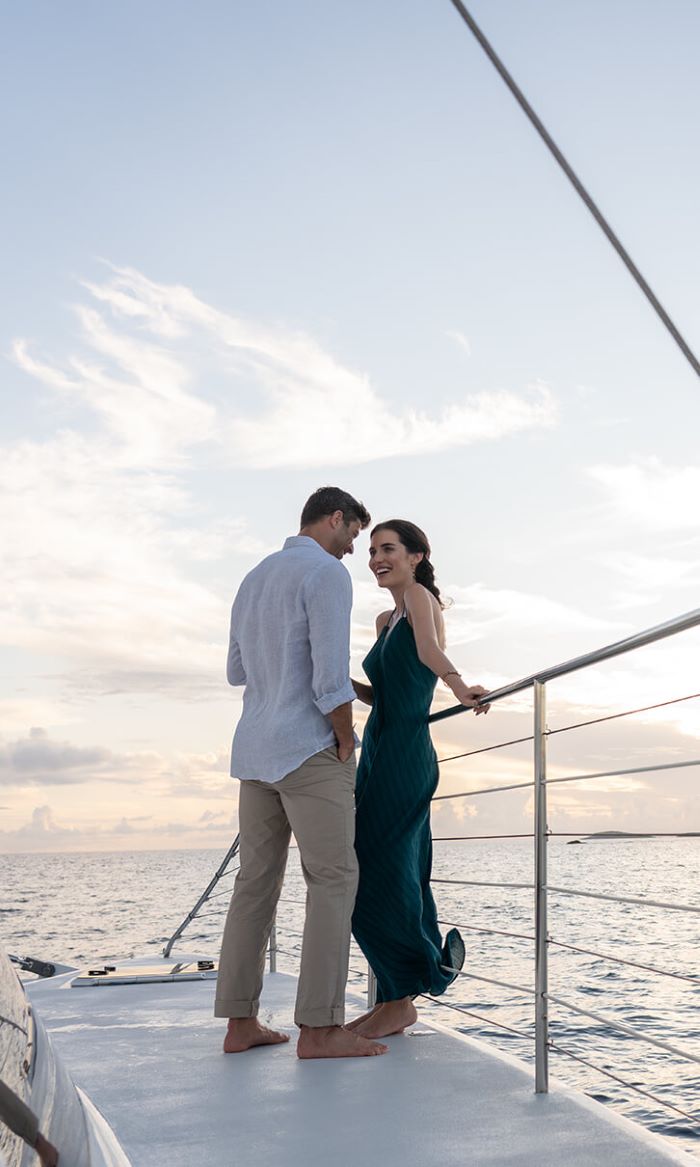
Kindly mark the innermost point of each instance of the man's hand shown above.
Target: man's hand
(46, 1151)
(341, 720)
(346, 750)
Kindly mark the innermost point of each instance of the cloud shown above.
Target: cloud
(151, 777)
(124, 827)
(198, 776)
(16, 713)
(652, 495)
(212, 816)
(463, 810)
(480, 610)
(361, 428)
(38, 752)
(311, 410)
(37, 760)
(664, 672)
(139, 390)
(102, 535)
(653, 579)
(45, 831)
(98, 566)
(657, 571)
(532, 625)
(460, 339)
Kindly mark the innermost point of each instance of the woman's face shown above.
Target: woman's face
(390, 561)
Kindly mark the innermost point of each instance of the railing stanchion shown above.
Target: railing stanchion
(220, 872)
(371, 989)
(541, 1020)
(273, 946)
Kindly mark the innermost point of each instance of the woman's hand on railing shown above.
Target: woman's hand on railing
(471, 695)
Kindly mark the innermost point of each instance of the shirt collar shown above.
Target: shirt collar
(303, 541)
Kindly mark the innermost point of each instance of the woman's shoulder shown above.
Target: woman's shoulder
(417, 593)
(422, 604)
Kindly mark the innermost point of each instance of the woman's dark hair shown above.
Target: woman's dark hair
(414, 540)
(329, 499)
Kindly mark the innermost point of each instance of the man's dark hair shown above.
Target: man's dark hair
(329, 499)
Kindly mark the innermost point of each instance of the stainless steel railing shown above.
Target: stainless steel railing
(629, 644)
(540, 834)
(226, 867)
(540, 782)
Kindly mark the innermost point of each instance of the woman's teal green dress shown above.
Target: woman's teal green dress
(395, 919)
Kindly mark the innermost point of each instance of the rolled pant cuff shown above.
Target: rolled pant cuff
(227, 1007)
(318, 1018)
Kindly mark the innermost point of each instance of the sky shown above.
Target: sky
(254, 249)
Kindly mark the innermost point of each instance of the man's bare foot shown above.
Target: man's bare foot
(335, 1041)
(246, 1032)
(359, 1020)
(390, 1017)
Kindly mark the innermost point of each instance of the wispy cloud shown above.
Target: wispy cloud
(107, 517)
(648, 577)
(480, 610)
(460, 339)
(146, 374)
(652, 495)
(92, 572)
(137, 388)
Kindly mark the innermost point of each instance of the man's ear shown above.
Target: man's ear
(336, 519)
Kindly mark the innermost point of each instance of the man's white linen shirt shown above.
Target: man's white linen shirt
(290, 647)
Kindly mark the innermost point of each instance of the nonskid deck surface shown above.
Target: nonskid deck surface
(149, 1055)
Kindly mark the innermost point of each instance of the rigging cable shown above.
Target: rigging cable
(578, 185)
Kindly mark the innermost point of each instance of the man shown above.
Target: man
(294, 753)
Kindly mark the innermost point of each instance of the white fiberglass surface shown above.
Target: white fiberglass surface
(149, 1055)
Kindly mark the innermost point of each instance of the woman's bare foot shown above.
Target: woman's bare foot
(246, 1032)
(335, 1041)
(359, 1020)
(390, 1017)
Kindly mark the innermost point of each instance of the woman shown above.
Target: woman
(395, 919)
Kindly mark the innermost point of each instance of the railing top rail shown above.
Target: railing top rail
(639, 640)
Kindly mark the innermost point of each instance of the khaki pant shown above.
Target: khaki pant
(316, 802)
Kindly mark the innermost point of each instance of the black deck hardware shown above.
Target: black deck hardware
(42, 968)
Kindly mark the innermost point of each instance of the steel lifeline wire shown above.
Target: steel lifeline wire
(578, 185)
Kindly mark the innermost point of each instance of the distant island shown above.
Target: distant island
(601, 836)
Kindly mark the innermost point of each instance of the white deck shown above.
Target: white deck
(150, 1058)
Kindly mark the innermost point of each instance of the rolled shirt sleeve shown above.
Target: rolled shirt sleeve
(328, 603)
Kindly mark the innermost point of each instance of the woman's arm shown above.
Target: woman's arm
(363, 691)
(419, 608)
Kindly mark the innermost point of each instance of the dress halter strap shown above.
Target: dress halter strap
(394, 618)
